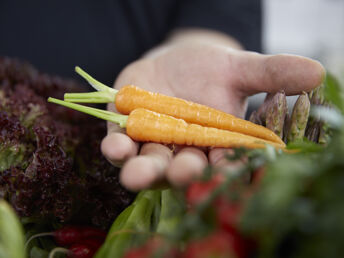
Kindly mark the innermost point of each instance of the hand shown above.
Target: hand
(206, 73)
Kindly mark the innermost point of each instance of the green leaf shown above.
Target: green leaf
(305, 146)
(12, 155)
(328, 115)
(11, 233)
(172, 210)
(132, 226)
(334, 92)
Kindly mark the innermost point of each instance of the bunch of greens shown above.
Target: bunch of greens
(294, 126)
(298, 210)
(11, 233)
(153, 215)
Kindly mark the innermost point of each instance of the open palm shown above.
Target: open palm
(208, 74)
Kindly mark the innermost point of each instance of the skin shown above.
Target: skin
(205, 67)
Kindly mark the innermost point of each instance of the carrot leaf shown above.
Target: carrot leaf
(90, 97)
(121, 120)
(93, 82)
(334, 92)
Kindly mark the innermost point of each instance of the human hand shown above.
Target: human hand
(209, 74)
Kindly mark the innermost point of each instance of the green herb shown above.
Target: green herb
(11, 233)
(132, 226)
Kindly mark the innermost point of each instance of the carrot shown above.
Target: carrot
(130, 97)
(148, 126)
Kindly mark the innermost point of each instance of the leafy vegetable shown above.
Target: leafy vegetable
(298, 209)
(11, 233)
(51, 167)
(132, 226)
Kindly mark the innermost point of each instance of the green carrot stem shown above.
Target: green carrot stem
(90, 97)
(121, 120)
(93, 82)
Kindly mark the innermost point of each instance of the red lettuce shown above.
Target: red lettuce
(51, 167)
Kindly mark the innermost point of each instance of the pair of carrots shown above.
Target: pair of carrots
(158, 118)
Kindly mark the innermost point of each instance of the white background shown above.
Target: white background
(312, 28)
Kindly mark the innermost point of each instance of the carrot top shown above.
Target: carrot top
(104, 94)
(119, 119)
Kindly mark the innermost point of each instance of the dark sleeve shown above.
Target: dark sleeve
(240, 19)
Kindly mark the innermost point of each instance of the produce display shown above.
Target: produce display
(284, 200)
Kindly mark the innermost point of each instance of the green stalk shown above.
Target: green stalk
(262, 110)
(171, 214)
(299, 118)
(121, 120)
(318, 96)
(12, 239)
(91, 97)
(324, 133)
(313, 131)
(104, 94)
(132, 226)
(93, 82)
(276, 113)
(254, 118)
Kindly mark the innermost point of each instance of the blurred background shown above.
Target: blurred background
(312, 28)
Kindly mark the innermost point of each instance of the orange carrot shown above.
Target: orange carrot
(131, 97)
(148, 126)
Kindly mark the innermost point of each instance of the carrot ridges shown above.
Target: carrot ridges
(131, 97)
(145, 125)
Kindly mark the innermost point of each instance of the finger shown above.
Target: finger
(147, 169)
(187, 165)
(118, 147)
(271, 73)
(218, 157)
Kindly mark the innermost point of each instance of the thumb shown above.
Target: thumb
(272, 73)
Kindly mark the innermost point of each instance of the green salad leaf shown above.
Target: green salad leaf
(11, 233)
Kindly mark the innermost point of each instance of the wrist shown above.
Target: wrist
(205, 36)
(194, 36)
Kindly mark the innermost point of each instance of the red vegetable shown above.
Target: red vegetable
(75, 251)
(69, 235)
(93, 243)
(81, 251)
(74, 234)
(219, 244)
(199, 191)
(227, 214)
(86, 248)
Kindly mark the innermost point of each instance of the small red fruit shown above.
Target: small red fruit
(81, 251)
(68, 235)
(218, 244)
(199, 191)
